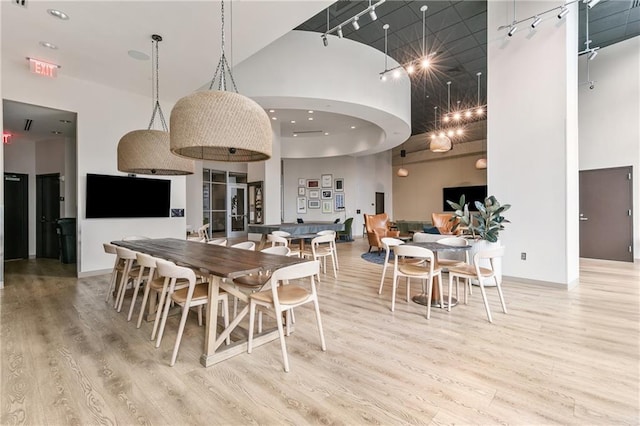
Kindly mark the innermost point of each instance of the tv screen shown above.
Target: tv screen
(124, 196)
(471, 194)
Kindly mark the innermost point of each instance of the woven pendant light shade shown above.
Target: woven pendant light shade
(481, 163)
(146, 152)
(220, 126)
(440, 144)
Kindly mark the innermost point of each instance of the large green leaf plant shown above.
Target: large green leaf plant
(487, 223)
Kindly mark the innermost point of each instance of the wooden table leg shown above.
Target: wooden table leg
(211, 320)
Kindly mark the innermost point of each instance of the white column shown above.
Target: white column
(269, 172)
(532, 139)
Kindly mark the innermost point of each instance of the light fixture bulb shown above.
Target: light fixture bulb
(481, 163)
(356, 25)
(372, 13)
(442, 135)
(383, 77)
(340, 34)
(512, 30)
(459, 132)
(450, 133)
(563, 12)
(446, 119)
(536, 21)
(433, 136)
(402, 172)
(457, 116)
(396, 74)
(480, 111)
(426, 63)
(410, 69)
(468, 114)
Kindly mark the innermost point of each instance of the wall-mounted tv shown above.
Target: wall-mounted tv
(126, 197)
(471, 194)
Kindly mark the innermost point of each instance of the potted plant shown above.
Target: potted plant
(484, 226)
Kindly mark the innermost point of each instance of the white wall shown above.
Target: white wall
(532, 141)
(610, 116)
(104, 115)
(363, 177)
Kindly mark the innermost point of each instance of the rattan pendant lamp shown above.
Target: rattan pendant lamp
(218, 124)
(146, 152)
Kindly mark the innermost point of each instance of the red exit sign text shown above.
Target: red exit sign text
(43, 68)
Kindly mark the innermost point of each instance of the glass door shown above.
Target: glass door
(237, 212)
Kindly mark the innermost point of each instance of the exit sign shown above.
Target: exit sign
(43, 68)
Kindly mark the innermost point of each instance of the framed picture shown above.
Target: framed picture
(339, 201)
(313, 183)
(327, 181)
(314, 204)
(302, 182)
(327, 207)
(338, 185)
(302, 205)
(314, 193)
(301, 191)
(327, 194)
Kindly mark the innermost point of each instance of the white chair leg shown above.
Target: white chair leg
(322, 342)
(393, 292)
(225, 312)
(163, 322)
(183, 321)
(499, 287)
(486, 302)
(260, 321)
(429, 294)
(159, 309)
(283, 345)
(135, 295)
(451, 289)
(335, 266)
(408, 288)
(384, 271)
(145, 297)
(252, 315)
(439, 275)
(114, 279)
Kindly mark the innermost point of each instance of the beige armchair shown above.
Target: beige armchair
(377, 227)
(443, 222)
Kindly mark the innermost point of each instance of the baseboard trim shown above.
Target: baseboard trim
(540, 283)
(87, 274)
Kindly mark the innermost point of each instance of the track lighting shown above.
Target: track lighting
(536, 22)
(324, 40)
(563, 12)
(372, 13)
(355, 24)
(340, 32)
(512, 30)
(592, 3)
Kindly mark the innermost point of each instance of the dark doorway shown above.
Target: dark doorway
(16, 216)
(47, 215)
(606, 221)
(379, 202)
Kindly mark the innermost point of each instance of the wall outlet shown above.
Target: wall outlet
(523, 256)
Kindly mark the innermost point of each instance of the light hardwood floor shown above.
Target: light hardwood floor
(558, 357)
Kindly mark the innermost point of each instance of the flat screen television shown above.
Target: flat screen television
(471, 194)
(126, 197)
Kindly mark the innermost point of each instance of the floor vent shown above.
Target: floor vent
(22, 3)
(27, 124)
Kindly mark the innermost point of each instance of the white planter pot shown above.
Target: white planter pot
(481, 245)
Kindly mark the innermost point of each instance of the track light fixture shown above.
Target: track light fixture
(371, 10)
(512, 30)
(355, 24)
(325, 41)
(591, 3)
(536, 22)
(563, 12)
(592, 55)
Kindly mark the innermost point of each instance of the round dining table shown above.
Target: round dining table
(436, 247)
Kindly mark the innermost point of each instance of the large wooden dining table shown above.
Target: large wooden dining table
(222, 264)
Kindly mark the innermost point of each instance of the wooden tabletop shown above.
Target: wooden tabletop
(225, 262)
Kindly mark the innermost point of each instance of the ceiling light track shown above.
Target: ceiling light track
(538, 17)
(354, 21)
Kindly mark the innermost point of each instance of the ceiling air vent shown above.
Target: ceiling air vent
(27, 124)
(635, 3)
(21, 3)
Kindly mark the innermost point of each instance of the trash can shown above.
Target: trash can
(66, 228)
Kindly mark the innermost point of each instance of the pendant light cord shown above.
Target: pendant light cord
(155, 39)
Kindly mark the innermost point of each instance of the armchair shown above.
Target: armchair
(377, 227)
(443, 222)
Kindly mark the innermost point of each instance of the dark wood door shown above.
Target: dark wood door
(16, 216)
(606, 214)
(379, 202)
(47, 215)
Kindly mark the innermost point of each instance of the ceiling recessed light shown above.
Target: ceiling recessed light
(48, 45)
(353, 127)
(66, 121)
(58, 14)
(310, 118)
(272, 110)
(326, 133)
(56, 132)
(295, 135)
(135, 54)
(293, 121)
(310, 112)
(274, 118)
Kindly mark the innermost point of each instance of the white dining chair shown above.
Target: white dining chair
(332, 245)
(245, 245)
(426, 271)
(389, 243)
